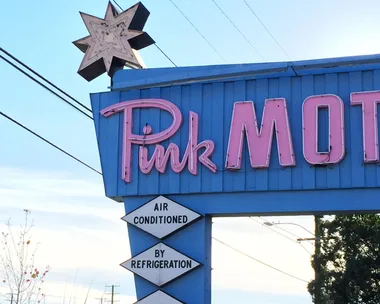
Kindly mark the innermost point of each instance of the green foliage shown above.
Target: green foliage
(349, 260)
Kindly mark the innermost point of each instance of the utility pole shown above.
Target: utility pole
(113, 293)
(101, 300)
(317, 261)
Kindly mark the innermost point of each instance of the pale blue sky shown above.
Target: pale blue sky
(41, 32)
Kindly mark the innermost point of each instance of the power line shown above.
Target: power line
(280, 228)
(261, 262)
(241, 33)
(46, 80)
(118, 5)
(165, 54)
(286, 231)
(262, 23)
(283, 235)
(199, 32)
(309, 252)
(44, 86)
(48, 142)
(279, 233)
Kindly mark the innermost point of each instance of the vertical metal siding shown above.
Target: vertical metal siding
(213, 102)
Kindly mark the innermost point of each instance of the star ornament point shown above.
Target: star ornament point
(113, 42)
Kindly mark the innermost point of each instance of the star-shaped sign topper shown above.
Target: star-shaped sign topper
(113, 41)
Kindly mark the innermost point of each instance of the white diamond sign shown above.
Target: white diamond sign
(158, 297)
(160, 264)
(161, 217)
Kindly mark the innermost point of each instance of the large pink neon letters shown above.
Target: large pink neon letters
(369, 102)
(160, 156)
(310, 129)
(243, 126)
(244, 122)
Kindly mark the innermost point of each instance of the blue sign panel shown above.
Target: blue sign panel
(276, 138)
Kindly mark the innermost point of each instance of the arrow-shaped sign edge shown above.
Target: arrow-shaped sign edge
(158, 291)
(199, 264)
(200, 216)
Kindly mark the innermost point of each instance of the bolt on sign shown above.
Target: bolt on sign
(180, 145)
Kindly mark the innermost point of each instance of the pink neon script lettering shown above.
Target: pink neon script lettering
(369, 102)
(160, 157)
(244, 122)
(336, 150)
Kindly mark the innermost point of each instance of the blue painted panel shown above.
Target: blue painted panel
(295, 117)
(261, 175)
(345, 166)
(213, 102)
(285, 174)
(228, 100)
(308, 172)
(369, 169)
(332, 172)
(356, 134)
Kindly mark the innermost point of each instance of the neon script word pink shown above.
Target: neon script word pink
(244, 126)
(160, 157)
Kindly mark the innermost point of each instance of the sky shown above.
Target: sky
(82, 237)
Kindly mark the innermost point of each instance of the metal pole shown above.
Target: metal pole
(318, 296)
(113, 288)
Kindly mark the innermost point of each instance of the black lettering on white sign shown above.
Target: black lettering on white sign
(160, 264)
(161, 217)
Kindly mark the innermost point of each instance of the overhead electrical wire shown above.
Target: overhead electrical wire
(262, 23)
(118, 5)
(198, 31)
(48, 142)
(241, 33)
(155, 44)
(44, 79)
(280, 228)
(165, 54)
(279, 233)
(45, 87)
(283, 235)
(261, 262)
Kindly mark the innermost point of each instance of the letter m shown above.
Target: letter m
(244, 123)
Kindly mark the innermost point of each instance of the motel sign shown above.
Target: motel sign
(181, 145)
(244, 123)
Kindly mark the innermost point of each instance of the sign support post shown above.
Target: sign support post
(193, 241)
